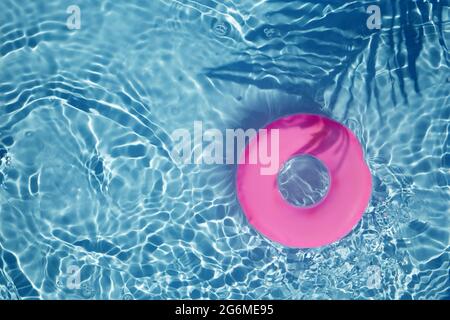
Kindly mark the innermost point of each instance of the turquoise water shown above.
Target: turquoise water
(304, 181)
(89, 189)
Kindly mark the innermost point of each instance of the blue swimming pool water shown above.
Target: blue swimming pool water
(87, 181)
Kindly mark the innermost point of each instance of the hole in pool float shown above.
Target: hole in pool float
(304, 181)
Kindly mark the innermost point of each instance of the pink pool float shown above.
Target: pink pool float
(320, 190)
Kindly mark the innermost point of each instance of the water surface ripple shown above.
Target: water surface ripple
(87, 181)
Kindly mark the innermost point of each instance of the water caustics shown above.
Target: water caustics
(93, 207)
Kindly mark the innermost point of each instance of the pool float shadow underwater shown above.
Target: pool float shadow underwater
(320, 190)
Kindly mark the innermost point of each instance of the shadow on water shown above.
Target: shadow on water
(263, 110)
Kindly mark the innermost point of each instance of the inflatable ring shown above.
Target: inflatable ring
(340, 209)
